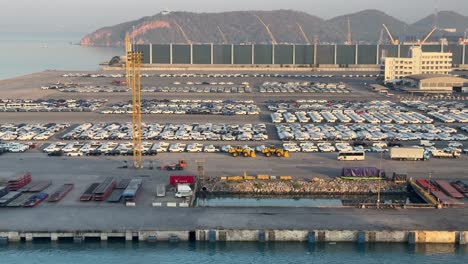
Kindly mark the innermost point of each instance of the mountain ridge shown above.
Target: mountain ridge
(248, 27)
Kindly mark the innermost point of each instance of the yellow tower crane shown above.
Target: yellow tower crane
(133, 71)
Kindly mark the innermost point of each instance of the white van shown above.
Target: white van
(183, 190)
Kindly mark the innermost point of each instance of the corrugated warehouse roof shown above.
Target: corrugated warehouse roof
(437, 78)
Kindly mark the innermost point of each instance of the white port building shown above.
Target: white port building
(425, 63)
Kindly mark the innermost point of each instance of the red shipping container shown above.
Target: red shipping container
(181, 179)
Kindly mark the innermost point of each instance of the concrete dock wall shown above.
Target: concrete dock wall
(215, 235)
(445, 237)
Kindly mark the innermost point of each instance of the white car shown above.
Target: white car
(161, 147)
(309, 148)
(292, 148)
(195, 147)
(177, 147)
(326, 148)
(455, 144)
(210, 149)
(260, 137)
(17, 149)
(228, 137)
(378, 149)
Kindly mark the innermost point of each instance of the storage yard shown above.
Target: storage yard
(288, 129)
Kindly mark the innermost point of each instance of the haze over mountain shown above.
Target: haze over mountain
(246, 27)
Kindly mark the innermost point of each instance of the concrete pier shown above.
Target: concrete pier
(262, 235)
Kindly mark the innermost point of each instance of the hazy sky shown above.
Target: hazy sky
(88, 15)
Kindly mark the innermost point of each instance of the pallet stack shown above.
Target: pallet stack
(19, 181)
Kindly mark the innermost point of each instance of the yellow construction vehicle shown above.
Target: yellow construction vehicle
(272, 150)
(237, 151)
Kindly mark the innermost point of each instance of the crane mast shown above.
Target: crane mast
(349, 40)
(133, 75)
(222, 36)
(303, 34)
(428, 36)
(392, 40)
(181, 30)
(272, 37)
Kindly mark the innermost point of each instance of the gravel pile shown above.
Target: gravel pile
(314, 186)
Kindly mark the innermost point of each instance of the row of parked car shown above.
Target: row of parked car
(207, 75)
(197, 89)
(243, 75)
(447, 112)
(154, 131)
(390, 132)
(351, 116)
(9, 132)
(51, 105)
(360, 75)
(13, 147)
(334, 147)
(154, 106)
(378, 147)
(96, 148)
(207, 83)
(302, 87)
(435, 105)
(452, 116)
(303, 104)
(94, 89)
(95, 75)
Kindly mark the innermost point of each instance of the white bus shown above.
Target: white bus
(352, 155)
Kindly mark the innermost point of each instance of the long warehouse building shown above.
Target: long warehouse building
(286, 54)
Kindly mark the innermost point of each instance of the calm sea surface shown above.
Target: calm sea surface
(113, 253)
(23, 53)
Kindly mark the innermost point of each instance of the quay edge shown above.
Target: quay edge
(261, 235)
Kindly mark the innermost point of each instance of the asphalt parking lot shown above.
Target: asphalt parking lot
(86, 170)
(82, 171)
(303, 106)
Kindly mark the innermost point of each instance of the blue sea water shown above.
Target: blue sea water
(23, 53)
(234, 252)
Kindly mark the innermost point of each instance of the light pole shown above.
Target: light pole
(429, 183)
(378, 190)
